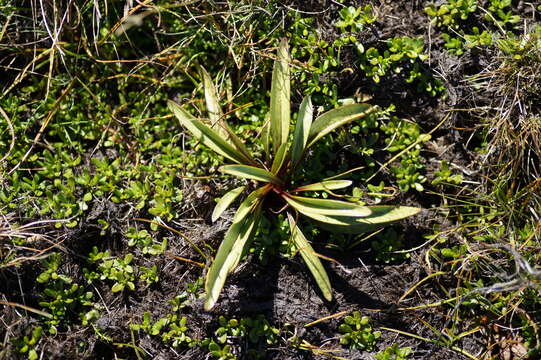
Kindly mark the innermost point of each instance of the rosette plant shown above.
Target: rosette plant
(283, 155)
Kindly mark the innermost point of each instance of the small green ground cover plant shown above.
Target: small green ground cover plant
(357, 332)
(403, 54)
(388, 245)
(26, 344)
(62, 297)
(471, 23)
(256, 330)
(394, 352)
(120, 271)
(177, 331)
(276, 172)
(401, 136)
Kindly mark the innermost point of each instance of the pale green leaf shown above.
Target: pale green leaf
(381, 216)
(311, 259)
(250, 172)
(326, 207)
(280, 97)
(232, 247)
(225, 201)
(229, 251)
(239, 145)
(207, 136)
(335, 118)
(213, 104)
(332, 220)
(325, 185)
(251, 201)
(265, 133)
(217, 118)
(302, 129)
(279, 159)
(117, 287)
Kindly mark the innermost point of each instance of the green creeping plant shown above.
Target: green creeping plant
(274, 174)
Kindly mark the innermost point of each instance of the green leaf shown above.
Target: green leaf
(332, 119)
(325, 185)
(43, 277)
(251, 201)
(239, 144)
(279, 159)
(233, 245)
(208, 136)
(265, 133)
(216, 115)
(33, 355)
(213, 104)
(333, 220)
(225, 201)
(146, 318)
(117, 287)
(326, 207)
(302, 130)
(250, 172)
(380, 217)
(280, 97)
(311, 259)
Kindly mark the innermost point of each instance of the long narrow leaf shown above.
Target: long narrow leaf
(279, 159)
(332, 119)
(326, 206)
(217, 118)
(325, 185)
(302, 130)
(239, 145)
(310, 258)
(229, 251)
(213, 104)
(256, 213)
(327, 219)
(265, 133)
(225, 201)
(233, 245)
(251, 201)
(280, 97)
(250, 172)
(380, 217)
(207, 136)
(252, 205)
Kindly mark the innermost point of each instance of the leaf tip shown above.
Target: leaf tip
(171, 104)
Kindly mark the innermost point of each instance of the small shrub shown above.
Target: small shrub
(394, 352)
(357, 332)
